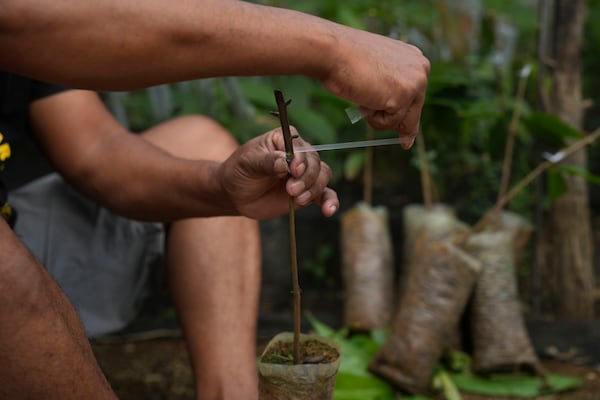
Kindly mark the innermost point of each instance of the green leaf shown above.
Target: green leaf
(379, 336)
(320, 328)
(353, 380)
(457, 361)
(578, 171)
(351, 18)
(446, 75)
(482, 108)
(258, 92)
(296, 88)
(443, 382)
(349, 386)
(354, 164)
(556, 186)
(313, 126)
(550, 129)
(514, 385)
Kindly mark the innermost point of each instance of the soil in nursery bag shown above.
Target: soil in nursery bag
(312, 378)
(520, 229)
(499, 336)
(368, 270)
(439, 282)
(439, 220)
(434, 222)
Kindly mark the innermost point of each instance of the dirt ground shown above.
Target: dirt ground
(158, 369)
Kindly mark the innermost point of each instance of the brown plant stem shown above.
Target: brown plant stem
(426, 185)
(368, 171)
(296, 291)
(512, 132)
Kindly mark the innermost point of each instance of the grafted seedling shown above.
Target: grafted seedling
(289, 156)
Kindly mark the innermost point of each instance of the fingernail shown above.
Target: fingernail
(407, 142)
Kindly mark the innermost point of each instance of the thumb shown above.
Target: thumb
(272, 164)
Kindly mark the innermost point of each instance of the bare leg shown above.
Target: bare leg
(214, 275)
(44, 352)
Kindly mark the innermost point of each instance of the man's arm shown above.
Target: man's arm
(140, 180)
(124, 44)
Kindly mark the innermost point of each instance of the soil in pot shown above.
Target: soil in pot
(313, 378)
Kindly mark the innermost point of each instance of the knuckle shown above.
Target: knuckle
(426, 65)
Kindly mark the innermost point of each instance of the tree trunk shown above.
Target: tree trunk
(565, 252)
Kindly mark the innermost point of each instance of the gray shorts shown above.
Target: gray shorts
(99, 259)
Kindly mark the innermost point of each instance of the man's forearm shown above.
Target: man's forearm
(124, 44)
(139, 180)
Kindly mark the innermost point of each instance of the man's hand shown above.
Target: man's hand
(386, 77)
(258, 182)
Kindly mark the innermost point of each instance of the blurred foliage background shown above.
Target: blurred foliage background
(480, 50)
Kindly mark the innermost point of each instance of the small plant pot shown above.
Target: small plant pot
(314, 378)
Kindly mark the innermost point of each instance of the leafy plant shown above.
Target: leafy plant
(355, 382)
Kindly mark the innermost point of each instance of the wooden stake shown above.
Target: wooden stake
(368, 171)
(426, 185)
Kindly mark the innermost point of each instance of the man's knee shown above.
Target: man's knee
(23, 284)
(193, 137)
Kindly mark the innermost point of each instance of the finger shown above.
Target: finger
(269, 164)
(301, 164)
(329, 202)
(305, 171)
(312, 193)
(392, 116)
(276, 138)
(409, 127)
(382, 120)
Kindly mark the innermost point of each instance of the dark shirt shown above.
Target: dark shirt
(27, 162)
(16, 93)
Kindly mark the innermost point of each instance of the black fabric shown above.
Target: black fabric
(16, 93)
(27, 161)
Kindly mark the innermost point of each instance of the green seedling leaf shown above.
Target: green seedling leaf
(354, 387)
(556, 186)
(550, 129)
(353, 380)
(322, 329)
(313, 126)
(443, 382)
(354, 164)
(379, 336)
(457, 361)
(578, 171)
(351, 18)
(483, 108)
(447, 75)
(257, 92)
(514, 385)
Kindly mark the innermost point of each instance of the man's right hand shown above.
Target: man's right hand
(387, 78)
